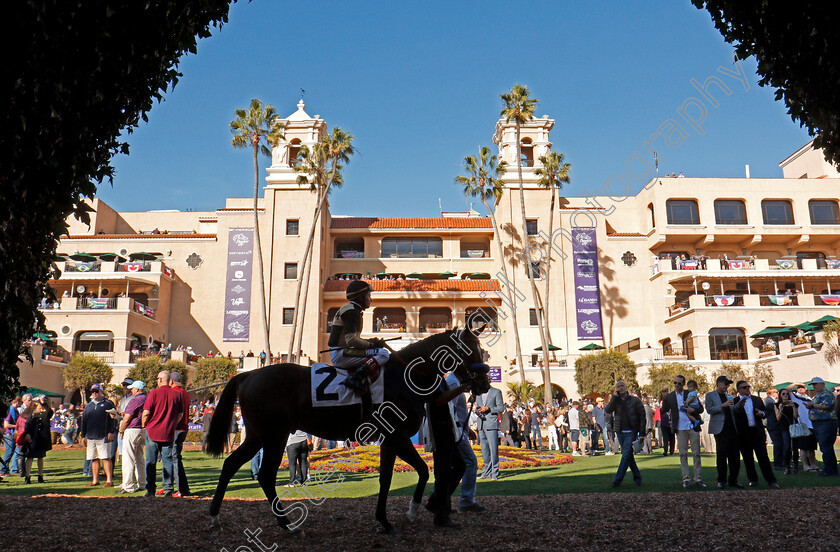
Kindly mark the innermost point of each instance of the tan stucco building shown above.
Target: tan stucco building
(762, 238)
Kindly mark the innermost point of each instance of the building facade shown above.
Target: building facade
(687, 269)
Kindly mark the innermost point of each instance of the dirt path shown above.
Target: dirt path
(731, 520)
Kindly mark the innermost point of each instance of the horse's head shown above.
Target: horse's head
(472, 368)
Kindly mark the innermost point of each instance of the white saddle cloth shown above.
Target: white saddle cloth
(328, 391)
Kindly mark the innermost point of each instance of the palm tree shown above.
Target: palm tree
(321, 168)
(519, 108)
(254, 127)
(485, 182)
(553, 174)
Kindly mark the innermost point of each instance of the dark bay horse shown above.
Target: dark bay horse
(276, 401)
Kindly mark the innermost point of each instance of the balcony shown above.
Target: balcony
(744, 264)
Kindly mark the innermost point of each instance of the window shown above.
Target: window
(288, 316)
(533, 316)
(294, 151)
(777, 211)
(531, 227)
(470, 250)
(727, 344)
(350, 248)
(417, 248)
(682, 211)
(730, 211)
(536, 274)
(823, 211)
(527, 152)
(292, 227)
(290, 271)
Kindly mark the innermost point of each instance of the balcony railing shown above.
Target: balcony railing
(745, 263)
(94, 303)
(104, 356)
(95, 266)
(777, 300)
(135, 266)
(728, 355)
(724, 300)
(146, 311)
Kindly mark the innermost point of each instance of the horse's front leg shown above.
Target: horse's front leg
(387, 455)
(409, 455)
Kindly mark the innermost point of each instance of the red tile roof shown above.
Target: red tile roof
(419, 285)
(137, 236)
(411, 222)
(625, 235)
(567, 208)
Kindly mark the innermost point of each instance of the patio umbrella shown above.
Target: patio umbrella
(44, 336)
(59, 257)
(142, 256)
(381, 275)
(35, 391)
(550, 348)
(111, 257)
(83, 257)
(805, 326)
(414, 275)
(446, 275)
(591, 347)
(820, 322)
(774, 330)
(480, 276)
(782, 385)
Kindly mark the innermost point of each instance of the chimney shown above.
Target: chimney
(747, 167)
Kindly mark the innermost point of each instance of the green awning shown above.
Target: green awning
(44, 336)
(591, 347)
(824, 320)
(83, 257)
(550, 348)
(805, 326)
(774, 330)
(35, 392)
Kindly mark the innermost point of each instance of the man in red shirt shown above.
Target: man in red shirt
(180, 436)
(164, 408)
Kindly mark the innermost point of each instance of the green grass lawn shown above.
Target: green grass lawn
(63, 474)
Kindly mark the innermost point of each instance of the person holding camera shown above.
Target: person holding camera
(629, 422)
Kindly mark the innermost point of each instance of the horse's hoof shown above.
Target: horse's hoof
(411, 515)
(214, 524)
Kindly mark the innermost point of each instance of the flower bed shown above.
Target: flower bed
(365, 459)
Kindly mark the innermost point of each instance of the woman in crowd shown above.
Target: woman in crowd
(806, 447)
(297, 450)
(525, 428)
(33, 430)
(549, 420)
(787, 413)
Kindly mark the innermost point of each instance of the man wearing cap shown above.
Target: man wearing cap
(97, 432)
(163, 409)
(121, 409)
(180, 436)
(722, 426)
(748, 413)
(133, 438)
(821, 413)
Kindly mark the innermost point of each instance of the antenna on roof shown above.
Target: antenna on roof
(440, 206)
(302, 92)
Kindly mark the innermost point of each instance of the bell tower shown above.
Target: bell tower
(534, 140)
(300, 130)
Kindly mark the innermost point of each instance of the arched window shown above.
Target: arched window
(777, 211)
(823, 211)
(730, 211)
(388, 320)
(527, 152)
(652, 216)
(435, 319)
(682, 211)
(294, 151)
(478, 316)
(727, 344)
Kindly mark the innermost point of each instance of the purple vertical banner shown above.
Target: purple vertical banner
(238, 285)
(587, 290)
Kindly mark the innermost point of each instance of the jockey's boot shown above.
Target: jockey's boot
(358, 380)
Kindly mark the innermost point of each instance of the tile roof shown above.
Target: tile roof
(419, 285)
(137, 236)
(625, 235)
(411, 222)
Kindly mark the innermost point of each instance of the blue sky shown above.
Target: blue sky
(418, 86)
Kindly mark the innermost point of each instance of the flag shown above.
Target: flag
(737, 265)
(724, 300)
(780, 299)
(832, 300)
(785, 264)
(133, 267)
(688, 265)
(832, 263)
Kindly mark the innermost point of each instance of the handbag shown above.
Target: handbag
(799, 430)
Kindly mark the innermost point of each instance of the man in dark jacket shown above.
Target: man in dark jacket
(509, 429)
(748, 412)
(629, 423)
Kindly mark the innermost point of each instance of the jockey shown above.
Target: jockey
(348, 349)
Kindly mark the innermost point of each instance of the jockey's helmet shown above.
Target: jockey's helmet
(357, 288)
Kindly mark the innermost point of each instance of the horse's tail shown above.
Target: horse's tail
(220, 423)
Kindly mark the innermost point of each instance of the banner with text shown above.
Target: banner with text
(587, 290)
(238, 285)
